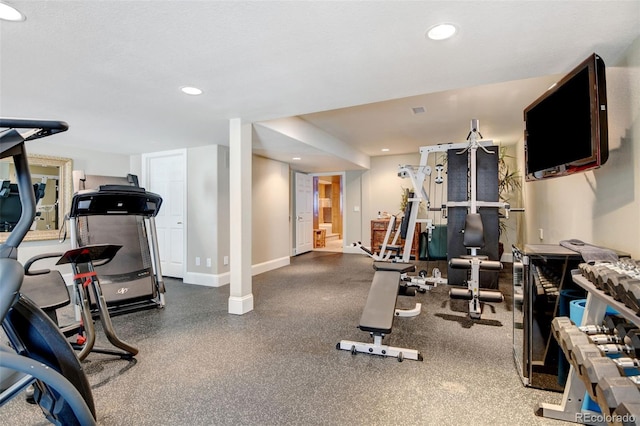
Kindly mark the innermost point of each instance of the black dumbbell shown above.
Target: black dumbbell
(626, 414)
(579, 356)
(630, 345)
(570, 337)
(627, 366)
(624, 328)
(608, 325)
(604, 282)
(613, 391)
(633, 294)
(558, 323)
(605, 339)
(596, 369)
(593, 273)
(614, 285)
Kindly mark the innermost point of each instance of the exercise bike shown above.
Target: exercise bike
(41, 354)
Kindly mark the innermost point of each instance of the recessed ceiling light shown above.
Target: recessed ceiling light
(441, 31)
(191, 90)
(10, 13)
(296, 158)
(385, 150)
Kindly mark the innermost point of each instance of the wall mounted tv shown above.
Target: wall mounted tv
(566, 127)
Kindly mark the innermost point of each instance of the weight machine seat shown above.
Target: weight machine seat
(396, 249)
(379, 310)
(394, 267)
(473, 231)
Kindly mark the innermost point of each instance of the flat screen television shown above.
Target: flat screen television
(566, 128)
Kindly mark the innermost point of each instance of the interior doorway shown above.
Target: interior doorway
(328, 212)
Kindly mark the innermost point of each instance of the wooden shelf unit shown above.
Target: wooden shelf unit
(379, 230)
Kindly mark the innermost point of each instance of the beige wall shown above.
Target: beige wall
(601, 207)
(270, 205)
(382, 189)
(203, 192)
(92, 162)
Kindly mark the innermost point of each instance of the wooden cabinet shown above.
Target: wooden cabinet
(379, 230)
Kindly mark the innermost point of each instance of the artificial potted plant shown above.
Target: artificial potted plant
(509, 184)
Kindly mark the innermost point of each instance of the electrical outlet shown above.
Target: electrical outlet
(208, 262)
(197, 261)
(225, 260)
(541, 233)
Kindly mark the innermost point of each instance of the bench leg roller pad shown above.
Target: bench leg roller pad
(377, 348)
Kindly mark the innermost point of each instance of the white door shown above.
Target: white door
(304, 213)
(165, 174)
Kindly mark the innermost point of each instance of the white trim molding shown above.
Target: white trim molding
(241, 305)
(218, 280)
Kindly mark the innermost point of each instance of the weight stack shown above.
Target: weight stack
(487, 190)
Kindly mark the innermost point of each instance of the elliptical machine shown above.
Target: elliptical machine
(42, 356)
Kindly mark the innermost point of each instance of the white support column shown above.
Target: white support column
(240, 292)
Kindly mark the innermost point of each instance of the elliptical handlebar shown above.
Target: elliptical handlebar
(43, 128)
(12, 144)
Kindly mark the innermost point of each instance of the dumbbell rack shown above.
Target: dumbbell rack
(540, 273)
(574, 391)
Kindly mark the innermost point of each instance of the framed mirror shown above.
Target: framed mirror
(51, 177)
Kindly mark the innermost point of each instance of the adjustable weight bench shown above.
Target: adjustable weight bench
(380, 311)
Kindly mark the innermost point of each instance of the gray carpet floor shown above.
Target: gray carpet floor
(279, 364)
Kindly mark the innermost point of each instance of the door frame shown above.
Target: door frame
(180, 154)
(343, 198)
(294, 212)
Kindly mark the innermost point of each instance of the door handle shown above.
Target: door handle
(179, 223)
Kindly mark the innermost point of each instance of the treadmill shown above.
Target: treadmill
(115, 210)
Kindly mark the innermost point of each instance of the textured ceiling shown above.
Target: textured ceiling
(113, 69)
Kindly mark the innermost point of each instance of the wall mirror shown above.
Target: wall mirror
(51, 177)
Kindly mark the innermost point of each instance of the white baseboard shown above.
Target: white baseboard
(240, 305)
(352, 250)
(270, 265)
(208, 280)
(218, 280)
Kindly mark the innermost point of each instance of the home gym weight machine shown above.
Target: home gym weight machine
(467, 223)
(40, 353)
(393, 252)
